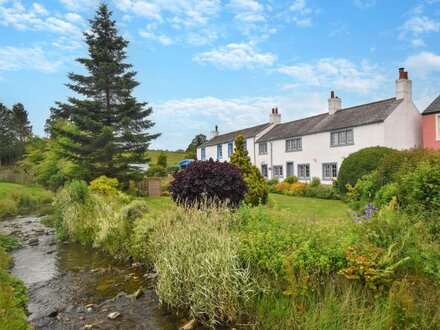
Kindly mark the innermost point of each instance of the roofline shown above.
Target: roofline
(206, 144)
(333, 130)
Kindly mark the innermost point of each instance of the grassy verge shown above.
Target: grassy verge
(13, 296)
(16, 199)
(173, 157)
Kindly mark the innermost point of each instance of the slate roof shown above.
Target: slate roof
(229, 137)
(345, 118)
(434, 107)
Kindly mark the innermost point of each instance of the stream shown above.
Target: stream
(71, 286)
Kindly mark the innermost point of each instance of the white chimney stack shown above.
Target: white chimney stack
(334, 103)
(403, 86)
(215, 132)
(275, 117)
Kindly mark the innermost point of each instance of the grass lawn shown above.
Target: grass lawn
(173, 157)
(301, 206)
(6, 189)
(311, 207)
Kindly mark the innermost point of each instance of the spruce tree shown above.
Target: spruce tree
(108, 126)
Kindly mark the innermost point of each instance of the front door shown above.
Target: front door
(289, 169)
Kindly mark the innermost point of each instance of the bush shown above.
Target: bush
(359, 164)
(198, 267)
(9, 242)
(315, 182)
(8, 208)
(291, 179)
(157, 171)
(173, 169)
(257, 190)
(385, 194)
(419, 190)
(208, 181)
(104, 185)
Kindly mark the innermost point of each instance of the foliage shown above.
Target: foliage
(14, 132)
(257, 191)
(173, 157)
(315, 182)
(109, 126)
(162, 159)
(9, 243)
(385, 194)
(313, 189)
(195, 143)
(198, 266)
(104, 185)
(371, 266)
(173, 169)
(18, 199)
(291, 179)
(13, 296)
(360, 163)
(156, 171)
(208, 181)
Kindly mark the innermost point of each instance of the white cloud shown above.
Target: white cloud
(423, 63)
(147, 9)
(35, 18)
(161, 38)
(13, 58)
(236, 56)
(80, 5)
(200, 115)
(336, 73)
(417, 25)
(301, 13)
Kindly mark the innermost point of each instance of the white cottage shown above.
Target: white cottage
(317, 145)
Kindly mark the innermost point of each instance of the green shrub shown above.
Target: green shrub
(419, 190)
(104, 185)
(156, 171)
(9, 243)
(257, 190)
(173, 169)
(385, 194)
(162, 159)
(8, 208)
(198, 269)
(315, 182)
(359, 164)
(291, 179)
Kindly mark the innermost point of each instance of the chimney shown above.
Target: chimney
(275, 117)
(334, 103)
(215, 132)
(403, 86)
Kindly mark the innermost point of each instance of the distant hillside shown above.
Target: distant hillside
(173, 157)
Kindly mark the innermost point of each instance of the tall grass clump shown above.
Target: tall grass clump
(198, 266)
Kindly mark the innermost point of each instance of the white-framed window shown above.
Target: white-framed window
(304, 171)
(341, 138)
(230, 148)
(437, 127)
(294, 144)
(277, 171)
(203, 153)
(262, 148)
(264, 170)
(219, 151)
(329, 171)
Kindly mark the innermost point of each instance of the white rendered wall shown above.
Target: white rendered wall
(316, 150)
(403, 128)
(211, 151)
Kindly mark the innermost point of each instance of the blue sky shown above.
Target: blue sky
(227, 62)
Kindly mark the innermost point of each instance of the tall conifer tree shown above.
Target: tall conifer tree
(109, 126)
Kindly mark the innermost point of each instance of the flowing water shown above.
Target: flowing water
(71, 286)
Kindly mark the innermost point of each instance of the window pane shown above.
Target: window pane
(334, 139)
(334, 171)
(307, 171)
(349, 136)
(342, 137)
(299, 144)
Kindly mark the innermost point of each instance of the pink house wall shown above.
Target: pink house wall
(429, 133)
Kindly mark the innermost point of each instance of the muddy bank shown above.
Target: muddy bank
(71, 286)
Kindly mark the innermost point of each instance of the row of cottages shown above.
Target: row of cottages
(317, 145)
